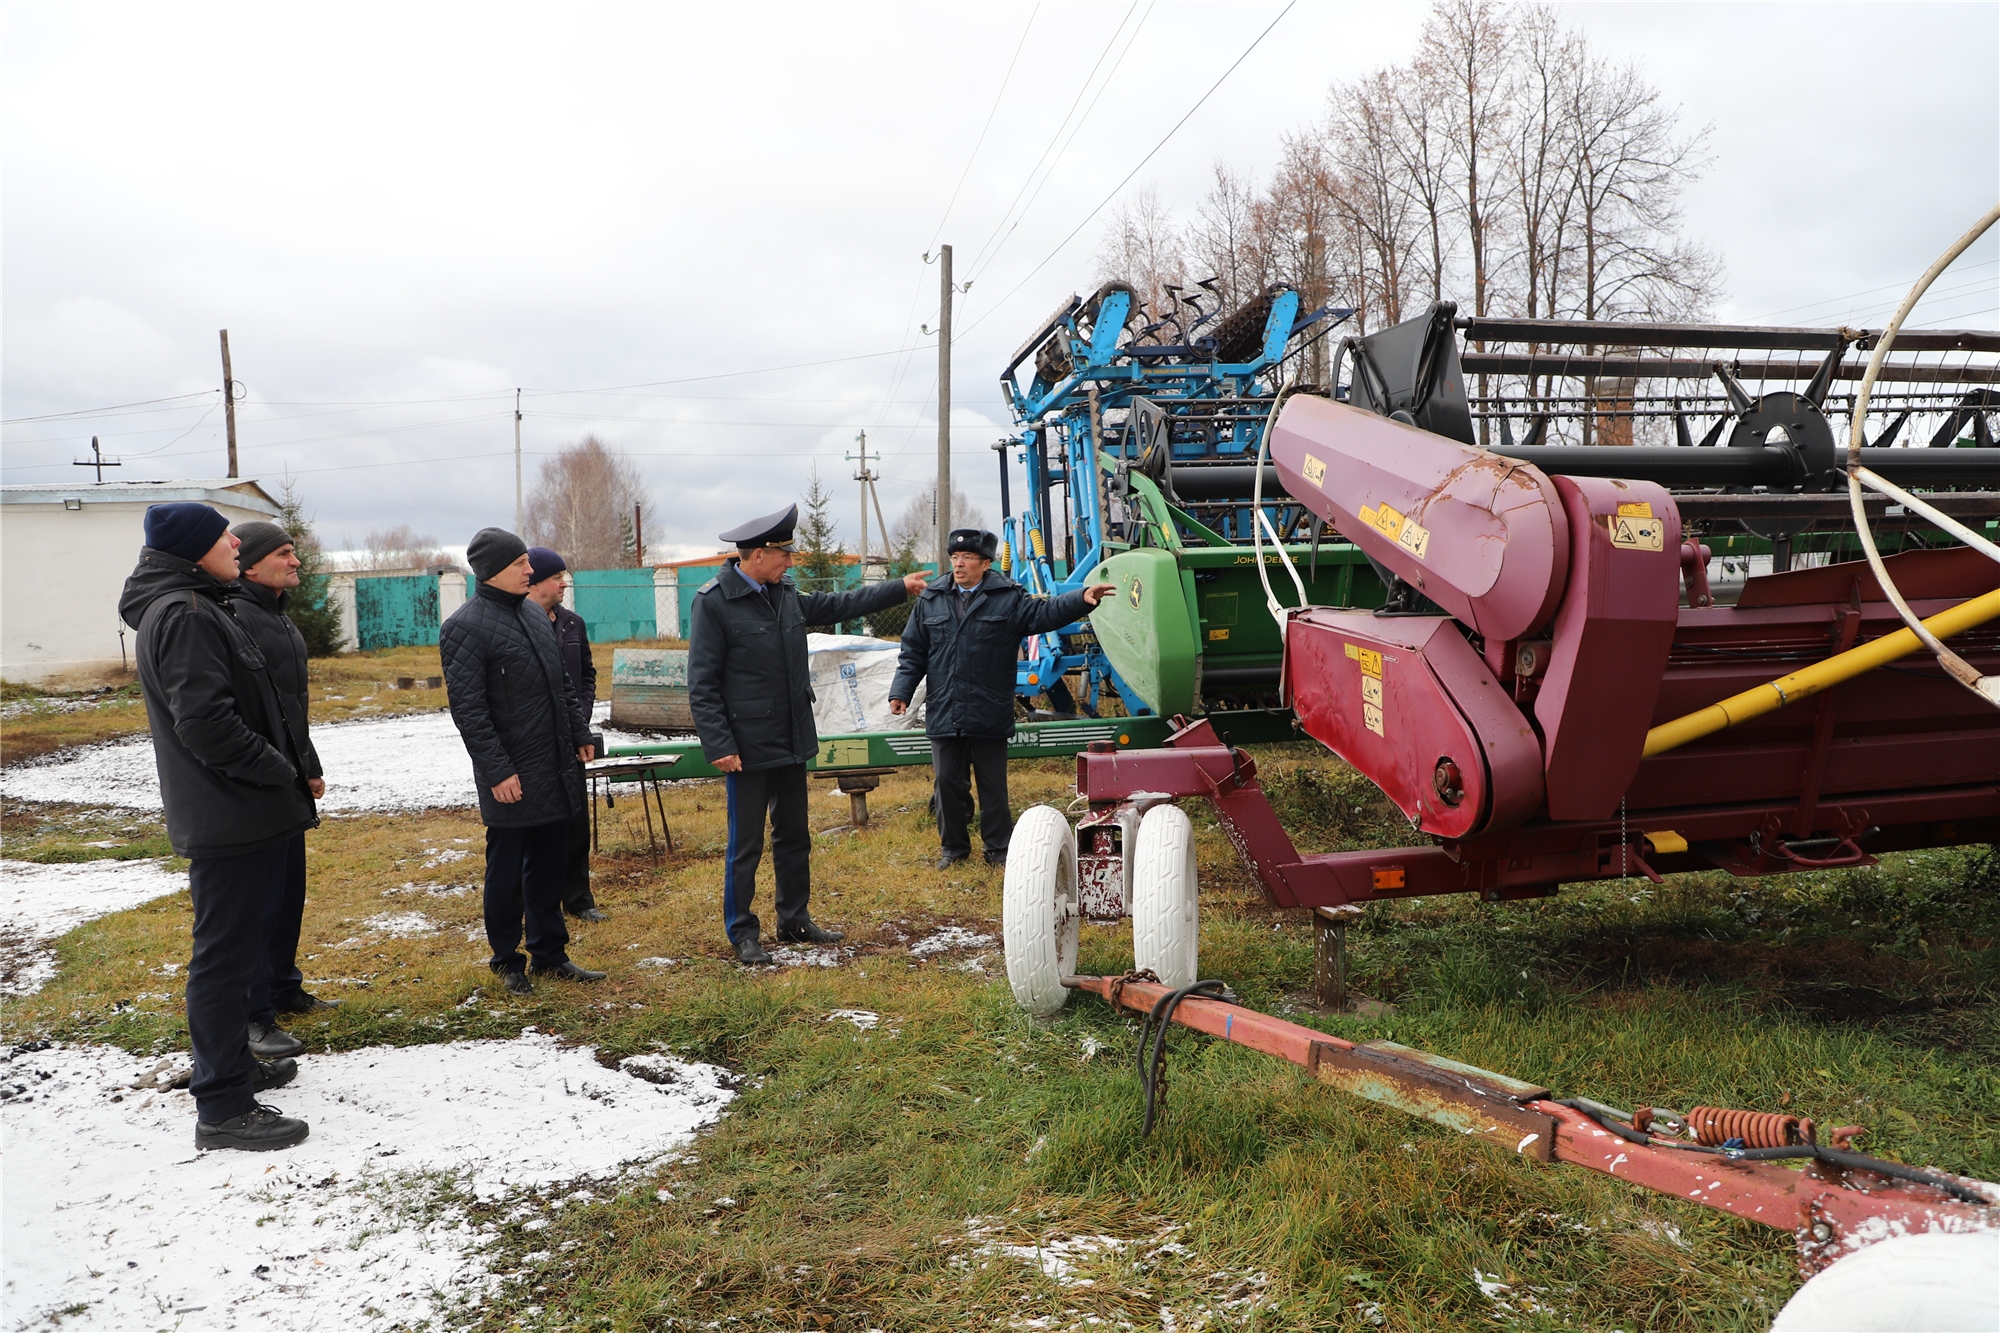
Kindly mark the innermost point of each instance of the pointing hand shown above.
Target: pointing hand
(1097, 592)
(915, 582)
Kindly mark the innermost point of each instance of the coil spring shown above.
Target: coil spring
(1714, 1126)
(1006, 557)
(1035, 540)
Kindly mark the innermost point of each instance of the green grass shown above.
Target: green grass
(853, 1160)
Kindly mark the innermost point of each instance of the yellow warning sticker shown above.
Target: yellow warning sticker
(1415, 538)
(1314, 470)
(1371, 662)
(1386, 521)
(1637, 534)
(1354, 650)
(1371, 690)
(1368, 516)
(1639, 510)
(1217, 635)
(1371, 717)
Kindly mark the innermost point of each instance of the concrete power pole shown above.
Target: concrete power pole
(864, 476)
(229, 402)
(944, 408)
(517, 463)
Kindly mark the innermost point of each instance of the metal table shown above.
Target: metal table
(647, 773)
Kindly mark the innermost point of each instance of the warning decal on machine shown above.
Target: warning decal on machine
(1384, 520)
(1636, 533)
(1314, 471)
(1415, 538)
(1639, 509)
(1371, 688)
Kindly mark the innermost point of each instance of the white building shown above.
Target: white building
(65, 553)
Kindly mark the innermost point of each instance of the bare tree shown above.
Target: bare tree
(1378, 209)
(1225, 242)
(918, 523)
(1143, 247)
(583, 506)
(1630, 166)
(402, 547)
(1466, 50)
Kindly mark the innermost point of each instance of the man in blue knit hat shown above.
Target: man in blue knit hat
(233, 782)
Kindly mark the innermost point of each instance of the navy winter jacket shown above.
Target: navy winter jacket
(748, 684)
(969, 653)
(231, 776)
(514, 707)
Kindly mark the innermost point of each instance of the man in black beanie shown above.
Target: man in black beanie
(545, 589)
(270, 563)
(518, 717)
(233, 786)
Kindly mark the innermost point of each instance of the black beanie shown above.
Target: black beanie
(259, 540)
(186, 530)
(492, 550)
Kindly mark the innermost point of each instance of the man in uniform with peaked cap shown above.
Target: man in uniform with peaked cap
(752, 698)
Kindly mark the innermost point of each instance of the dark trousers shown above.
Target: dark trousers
(959, 761)
(230, 893)
(782, 793)
(524, 877)
(278, 972)
(576, 895)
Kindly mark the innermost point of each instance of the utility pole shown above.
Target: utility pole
(865, 477)
(944, 408)
(100, 462)
(638, 536)
(229, 402)
(517, 462)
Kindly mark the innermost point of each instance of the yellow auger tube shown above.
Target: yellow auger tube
(1819, 676)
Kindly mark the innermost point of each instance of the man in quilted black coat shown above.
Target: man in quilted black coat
(521, 724)
(752, 699)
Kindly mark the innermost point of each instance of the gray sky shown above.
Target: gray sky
(402, 213)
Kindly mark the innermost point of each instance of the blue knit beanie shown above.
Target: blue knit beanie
(186, 530)
(545, 564)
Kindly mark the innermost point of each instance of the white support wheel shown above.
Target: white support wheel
(1932, 1280)
(1040, 912)
(1166, 918)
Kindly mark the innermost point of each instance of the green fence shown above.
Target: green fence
(397, 611)
(616, 604)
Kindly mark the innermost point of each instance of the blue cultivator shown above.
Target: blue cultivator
(1151, 428)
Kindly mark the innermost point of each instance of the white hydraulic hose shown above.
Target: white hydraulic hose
(1279, 612)
(1986, 687)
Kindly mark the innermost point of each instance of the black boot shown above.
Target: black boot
(749, 952)
(517, 981)
(273, 1074)
(569, 971)
(810, 934)
(590, 914)
(298, 1002)
(996, 858)
(268, 1041)
(259, 1129)
(948, 860)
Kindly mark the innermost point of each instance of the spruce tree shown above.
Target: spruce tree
(312, 606)
(821, 565)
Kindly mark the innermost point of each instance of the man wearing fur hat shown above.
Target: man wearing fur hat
(517, 715)
(964, 636)
(257, 600)
(234, 789)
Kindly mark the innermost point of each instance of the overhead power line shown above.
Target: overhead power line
(1103, 203)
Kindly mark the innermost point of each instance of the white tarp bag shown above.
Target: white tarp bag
(851, 675)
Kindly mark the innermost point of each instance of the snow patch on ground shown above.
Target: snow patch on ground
(402, 925)
(798, 955)
(353, 1229)
(862, 1018)
(949, 939)
(38, 903)
(411, 761)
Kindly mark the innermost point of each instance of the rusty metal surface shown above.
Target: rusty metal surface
(1829, 1211)
(1457, 1096)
